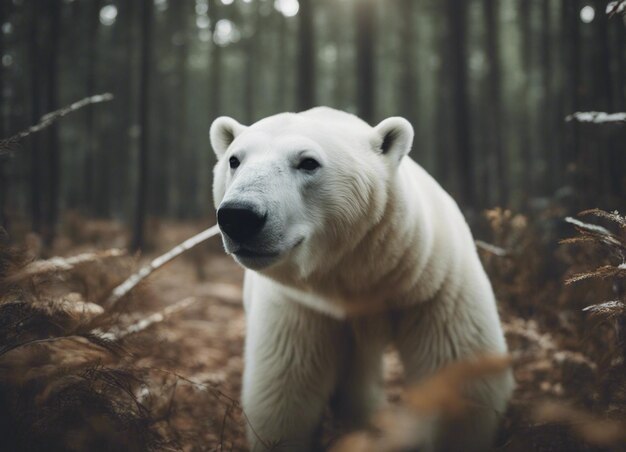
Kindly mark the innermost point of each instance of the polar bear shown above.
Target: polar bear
(349, 246)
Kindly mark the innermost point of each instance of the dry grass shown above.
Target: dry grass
(157, 375)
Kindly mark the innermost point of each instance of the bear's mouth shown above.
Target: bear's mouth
(248, 253)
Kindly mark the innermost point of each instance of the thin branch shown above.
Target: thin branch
(493, 249)
(48, 119)
(616, 7)
(116, 333)
(597, 117)
(59, 264)
(128, 285)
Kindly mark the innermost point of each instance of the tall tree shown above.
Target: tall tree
(546, 108)
(570, 41)
(494, 113)
(365, 76)
(282, 67)
(215, 63)
(527, 154)
(37, 162)
(3, 129)
(89, 171)
(138, 241)
(52, 103)
(251, 72)
(183, 162)
(408, 74)
(306, 57)
(456, 14)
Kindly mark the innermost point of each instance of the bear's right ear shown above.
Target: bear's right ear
(395, 137)
(223, 132)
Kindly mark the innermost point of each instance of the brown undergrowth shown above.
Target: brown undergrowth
(151, 377)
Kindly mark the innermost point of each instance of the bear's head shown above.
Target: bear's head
(294, 192)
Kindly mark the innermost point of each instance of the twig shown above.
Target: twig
(116, 333)
(493, 249)
(597, 117)
(59, 264)
(48, 119)
(128, 285)
(616, 7)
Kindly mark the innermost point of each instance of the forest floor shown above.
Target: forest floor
(195, 356)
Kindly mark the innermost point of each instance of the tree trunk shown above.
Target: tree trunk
(215, 64)
(3, 130)
(182, 161)
(306, 57)
(408, 78)
(144, 123)
(36, 163)
(52, 103)
(282, 67)
(547, 111)
(456, 11)
(494, 113)
(251, 75)
(572, 82)
(365, 76)
(89, 171)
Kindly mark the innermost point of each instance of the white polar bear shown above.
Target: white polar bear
(349, 246)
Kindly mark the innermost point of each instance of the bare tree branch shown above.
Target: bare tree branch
(48, 119)
(597, 117)
(116, 333)
(616, 7)
(128, 285)
(493, 249)
(60, 264)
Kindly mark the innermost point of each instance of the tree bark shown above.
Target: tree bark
(456, 11)
(571, 53)
(89, 171)
(494, 90)
(306, 57)
(4, 221)
(251, 49)
(52, 104)
(36, 156)
(138, 241)
(408, 76)
(365, 76)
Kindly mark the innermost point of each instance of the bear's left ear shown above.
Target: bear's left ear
(396, 137)
(223, 132)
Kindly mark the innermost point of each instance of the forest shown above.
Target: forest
(121, 318)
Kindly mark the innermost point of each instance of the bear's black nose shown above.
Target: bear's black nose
(240, 221)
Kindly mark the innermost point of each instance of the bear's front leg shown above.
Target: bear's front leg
(291, 365)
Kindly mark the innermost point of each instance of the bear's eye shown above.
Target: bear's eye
(308, 164)
(234, 162)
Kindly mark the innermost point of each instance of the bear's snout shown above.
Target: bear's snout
(240, 221)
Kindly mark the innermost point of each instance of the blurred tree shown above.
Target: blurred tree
(306, 58)
(494, 112)
(251, 72)
(52, 103)
(408, 73)
(3, 129)
(37, 161)
(182, 163)
(215, 63)
(138, 241)
(456, 12)
(365, 55)
(93, 26)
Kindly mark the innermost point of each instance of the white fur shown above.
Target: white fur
(369, 251)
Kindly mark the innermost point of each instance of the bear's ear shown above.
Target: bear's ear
(223, 132)
(396, 137)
